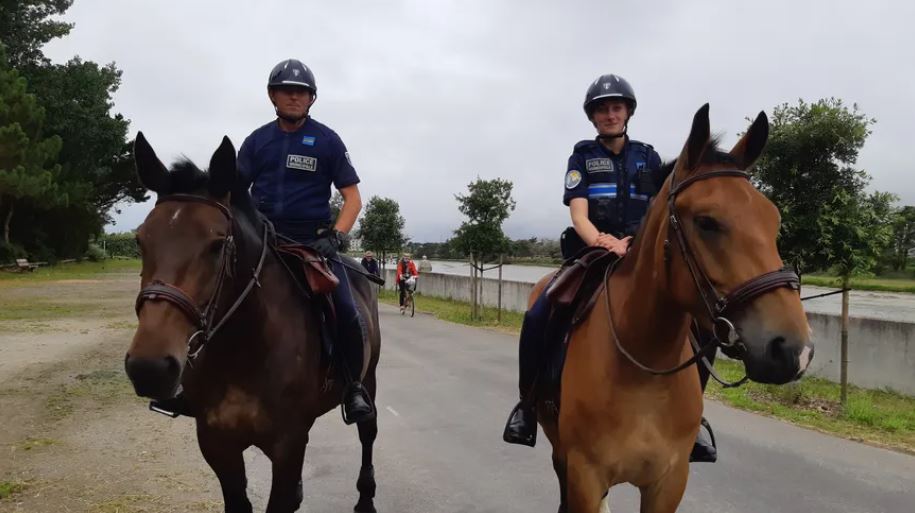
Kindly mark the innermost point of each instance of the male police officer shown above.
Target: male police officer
(608, 185)
(291, 163)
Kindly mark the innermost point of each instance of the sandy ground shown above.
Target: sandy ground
(72, 433)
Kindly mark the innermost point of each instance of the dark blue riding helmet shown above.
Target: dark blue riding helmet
(609, 86)
(292, 72)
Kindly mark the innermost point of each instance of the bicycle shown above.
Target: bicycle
(409, 302)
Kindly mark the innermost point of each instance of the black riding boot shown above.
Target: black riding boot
(704, 449)
(357, 405)
(521, 427)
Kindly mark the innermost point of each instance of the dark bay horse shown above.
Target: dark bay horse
(706, 251)
(220, 314)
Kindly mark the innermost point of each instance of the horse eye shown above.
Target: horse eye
(216, 246)
(708, 224)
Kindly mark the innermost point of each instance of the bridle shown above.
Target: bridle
(202, 318)
(718, 306)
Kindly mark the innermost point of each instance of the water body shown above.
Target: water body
(874, 305)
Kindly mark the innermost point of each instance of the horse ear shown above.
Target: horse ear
(751, 145)
(222, 169)
(152, 173)
(699, 136)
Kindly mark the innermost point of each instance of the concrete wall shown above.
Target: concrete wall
(881, 353)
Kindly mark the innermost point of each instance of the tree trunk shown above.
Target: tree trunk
(6, 225)
(843, 369)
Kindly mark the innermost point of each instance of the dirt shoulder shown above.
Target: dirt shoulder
(73, 436)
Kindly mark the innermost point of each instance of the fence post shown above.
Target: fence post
(499, 311)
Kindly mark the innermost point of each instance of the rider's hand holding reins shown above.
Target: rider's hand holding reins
(618, 246)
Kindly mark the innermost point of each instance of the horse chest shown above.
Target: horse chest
(237, 410)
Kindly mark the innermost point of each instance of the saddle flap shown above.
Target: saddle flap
(576, 274)
(318, 275)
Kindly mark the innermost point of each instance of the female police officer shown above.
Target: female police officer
(608, 185)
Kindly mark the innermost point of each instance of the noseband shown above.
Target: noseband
(718, 306)
(202, 318)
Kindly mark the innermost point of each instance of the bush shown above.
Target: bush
(95, 253)
(10, 252)
(120, 244)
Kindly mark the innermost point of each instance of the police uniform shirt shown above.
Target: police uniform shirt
(618, 187)
(291, 174)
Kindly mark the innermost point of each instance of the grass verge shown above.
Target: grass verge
(876, 284)
(459, 312)
(877, 417)
(73, 271)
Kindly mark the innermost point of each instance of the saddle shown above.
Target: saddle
(579, 281)
(572, 293)
(315, 281)
(317, 274)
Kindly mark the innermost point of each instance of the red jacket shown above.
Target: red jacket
(411, 267)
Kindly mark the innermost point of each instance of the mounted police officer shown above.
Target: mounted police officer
(291, 163)
(609, 183)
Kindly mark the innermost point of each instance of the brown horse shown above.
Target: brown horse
(220, 314)
(709, 232)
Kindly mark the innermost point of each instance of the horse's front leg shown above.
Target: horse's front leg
(368, 430)
(664, 495)
(287, 456)
(224, 455)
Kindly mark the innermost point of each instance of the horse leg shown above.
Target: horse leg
(559, 467)
(665, 494)
(229, 465)
(287, 458)
(585, 486)
(368, 430)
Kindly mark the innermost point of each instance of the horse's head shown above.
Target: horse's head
(724, 264)
(185, 246)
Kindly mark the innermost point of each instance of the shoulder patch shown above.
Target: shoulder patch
(573, 178)
(348, 160)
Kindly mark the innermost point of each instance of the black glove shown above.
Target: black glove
(327, 243)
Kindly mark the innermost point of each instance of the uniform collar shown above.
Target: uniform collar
(607, 150)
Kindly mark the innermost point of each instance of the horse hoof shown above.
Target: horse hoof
(365, 506)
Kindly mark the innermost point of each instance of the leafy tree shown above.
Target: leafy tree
(487, 206)
(25, 27)
(336, 203)
(903, 226)
(381, 227)
(27, 169)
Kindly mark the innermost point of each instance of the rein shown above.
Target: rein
(203, 319)
(717, 306)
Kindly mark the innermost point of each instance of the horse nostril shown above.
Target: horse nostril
(173, 366)
(778, 350)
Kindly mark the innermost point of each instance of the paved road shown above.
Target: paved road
(446, 390)
(874, 305)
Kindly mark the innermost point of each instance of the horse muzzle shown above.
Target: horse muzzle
(778, 361)
(154, 377)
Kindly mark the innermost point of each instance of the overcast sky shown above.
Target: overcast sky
(427, 94)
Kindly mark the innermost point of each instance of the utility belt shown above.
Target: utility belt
(301, 231)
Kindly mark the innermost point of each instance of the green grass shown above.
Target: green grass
(43, 310)
(73, 271)
(458, 311)
(10, 488)
(885, 284)
(875, 416)
(88, 392)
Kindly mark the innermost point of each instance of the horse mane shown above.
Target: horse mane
(712, 155)
(186, 178)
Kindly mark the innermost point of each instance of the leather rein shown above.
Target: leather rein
(718, 306)
(203, 318)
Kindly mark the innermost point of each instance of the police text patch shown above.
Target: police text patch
(302, 162)
(604, 164)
